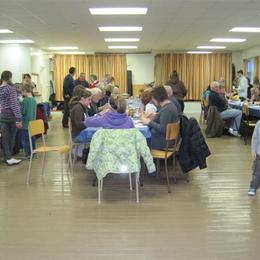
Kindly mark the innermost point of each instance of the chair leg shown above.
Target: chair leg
(70, 165)
(158, 166)
(130, 181)
(174, 169)
(29, 169)
(43, 163)
(137, 186)
(99, 191)
(61, 161)
(101, 184)
(167, 176)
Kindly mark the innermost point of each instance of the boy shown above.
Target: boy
(28, 113)
(255, 182)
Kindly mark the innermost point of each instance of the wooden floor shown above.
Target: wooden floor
(57, 217)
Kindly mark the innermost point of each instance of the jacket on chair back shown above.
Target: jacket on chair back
(215, 123)
(118, 151)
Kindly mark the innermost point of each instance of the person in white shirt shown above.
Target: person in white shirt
(243, 85)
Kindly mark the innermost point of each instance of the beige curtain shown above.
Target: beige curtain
(257, 66)
(196, 71)
(245, 61)
(114, 64)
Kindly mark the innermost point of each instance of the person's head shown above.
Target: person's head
(93, 77)
(6, 76)
(116, 91)
(81, 94)
(146, 96)
(159, 94)
(240, 73)
(82, 76)
(257, 90)
(27, 90)
(174, 75)
(118, 103)
(27, 79)
(97, 94)
(168, 90)
(214, 86)
(72, 71)
(256, 80)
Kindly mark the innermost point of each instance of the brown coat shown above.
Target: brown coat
(178, 88)
(215, 124)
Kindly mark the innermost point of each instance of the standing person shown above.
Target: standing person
(68, 86)
(29, 107)
(10, 116)
(81, 80)
(243, 85)
(255, 182)
(27, 80)
(178, 88)
(93, 81)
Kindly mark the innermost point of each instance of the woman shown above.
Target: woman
(116, 118)
(167, 114)
(178, 88)
(80, 101)
(96, 96)
(10, 116)
(146, 99)
(93, 81)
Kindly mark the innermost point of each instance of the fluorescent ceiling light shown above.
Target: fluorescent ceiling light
(120, 28)
(5, 31)
(245, 29)
(60, 48)
(117, 11)
(227, 40)
(71, 52)
(122, 47)
(199, 52)
(212, 47)
(16, 41)
(122, 39)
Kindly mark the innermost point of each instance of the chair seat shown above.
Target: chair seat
(158, 154)
(60, 149)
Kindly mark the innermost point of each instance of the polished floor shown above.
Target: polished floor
(57, 217)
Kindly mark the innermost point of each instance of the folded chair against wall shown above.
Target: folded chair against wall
(36, 127)
(172, 137)
(118, 151)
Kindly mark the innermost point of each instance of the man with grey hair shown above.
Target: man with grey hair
(173, 98)
(81, 80)
(219, 101)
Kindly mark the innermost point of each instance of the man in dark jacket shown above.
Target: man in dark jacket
(81, 80)
(68, 86)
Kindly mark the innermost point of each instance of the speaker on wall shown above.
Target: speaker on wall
(129, 83)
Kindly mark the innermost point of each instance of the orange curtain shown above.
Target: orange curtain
(245, 61)
(257, 66)
(113, 64)
(196, 71)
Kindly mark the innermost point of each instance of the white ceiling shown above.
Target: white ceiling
(177, 25)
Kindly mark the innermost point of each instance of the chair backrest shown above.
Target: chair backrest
(245, 109)
(36, 127)
(172, 131)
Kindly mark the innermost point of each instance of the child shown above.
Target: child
(28, 113)
(255, 182)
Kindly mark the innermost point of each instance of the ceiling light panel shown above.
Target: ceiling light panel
(208, 47)
(245, 29)
(227, 40)
(16, 41)
(60, 48)
(118, 11)
(122, 47)
(122, 39)
(120, 28)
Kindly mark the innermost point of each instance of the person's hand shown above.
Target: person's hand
(144, 119)
(150, 114)
(18, 124)
(253, 155)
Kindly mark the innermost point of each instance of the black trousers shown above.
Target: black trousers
(255, 182)
(181, 102)
(66, 112)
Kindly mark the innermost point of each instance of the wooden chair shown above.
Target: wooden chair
(36, 127)
(204, 108)
(172, 134)
(249, 124)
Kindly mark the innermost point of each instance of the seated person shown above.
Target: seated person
(96, 96)
(146, 99)
(217, 99)
(116, 118)
(255, 94)
(173, 98)
(78, 105)
(167, 114)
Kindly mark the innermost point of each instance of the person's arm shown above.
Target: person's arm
(76, 118)
(184, 90)
(14, 104)
(165, 118)
(255, 141)
(94, 121)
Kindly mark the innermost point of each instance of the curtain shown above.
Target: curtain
(196, 71)
(257, 66)
(245, 62)
(113, 64)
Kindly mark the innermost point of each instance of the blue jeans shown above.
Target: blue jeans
(26, 142)
(235, 115)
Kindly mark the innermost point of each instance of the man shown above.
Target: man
(243, 85)
(81, 80)
(68, 86)
(217, 99)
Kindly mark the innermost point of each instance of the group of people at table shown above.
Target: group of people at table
(216, 96)
(104, 107)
